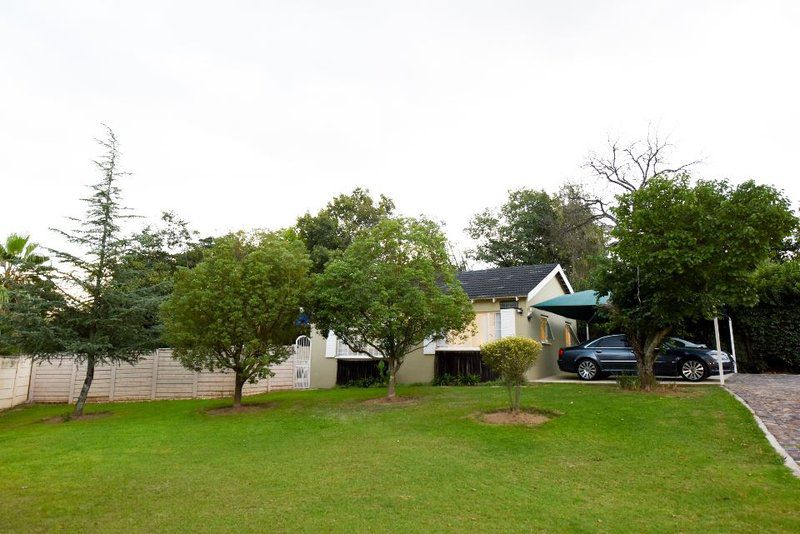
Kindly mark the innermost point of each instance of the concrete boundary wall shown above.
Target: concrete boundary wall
(156, 376)
(15, 375)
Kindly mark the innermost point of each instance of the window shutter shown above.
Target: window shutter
(330, 345)
(508, 323)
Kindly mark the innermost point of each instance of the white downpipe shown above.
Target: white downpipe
(587, 331)
(719, 352)
(733, 347)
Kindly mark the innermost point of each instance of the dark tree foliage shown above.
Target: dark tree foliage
(534, 227)
(685, 252)
(334, 227)
(24, 273)
(767, 336)
(768, 333)
(155, 255)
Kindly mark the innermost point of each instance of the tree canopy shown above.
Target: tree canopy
(390, 290)
(334, 227)
(682, 251)
(238, 308)
(534, 227)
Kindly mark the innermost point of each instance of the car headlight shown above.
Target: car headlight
(720, 356)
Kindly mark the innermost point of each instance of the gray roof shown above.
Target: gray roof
(504, 281)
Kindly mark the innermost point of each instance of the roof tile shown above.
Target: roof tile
(504, 281)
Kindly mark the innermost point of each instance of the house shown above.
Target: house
(503, 299)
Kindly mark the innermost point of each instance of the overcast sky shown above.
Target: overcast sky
(247, 114)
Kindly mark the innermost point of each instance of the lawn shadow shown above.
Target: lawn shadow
(252, 407)
(58, 419)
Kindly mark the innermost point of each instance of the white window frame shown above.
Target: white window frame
(548, 330)
(570, 338)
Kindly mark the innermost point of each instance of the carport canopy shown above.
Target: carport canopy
(580, 306)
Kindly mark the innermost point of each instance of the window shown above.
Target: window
(613, 342)
(344, 351)
(497, 331)
(569, 335)
(545, 332)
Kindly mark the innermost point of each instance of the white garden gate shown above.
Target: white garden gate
(302, 362)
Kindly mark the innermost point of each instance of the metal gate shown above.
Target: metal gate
(302, 362)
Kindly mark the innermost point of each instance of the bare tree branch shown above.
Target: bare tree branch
(626, 168)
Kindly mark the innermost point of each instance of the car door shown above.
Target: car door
(615, 354)
(668, 354)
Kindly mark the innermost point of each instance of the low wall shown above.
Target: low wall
(156, 376)
(15, 374)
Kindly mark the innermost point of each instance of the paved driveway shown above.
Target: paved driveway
(776, 400)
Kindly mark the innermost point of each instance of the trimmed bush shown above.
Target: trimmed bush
(511, 357)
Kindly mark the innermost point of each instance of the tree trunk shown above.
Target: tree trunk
(647, 377)
(87, 383)
(517, 392)
(645, 352)
(391, 389)
(237, 391)
(510, 390)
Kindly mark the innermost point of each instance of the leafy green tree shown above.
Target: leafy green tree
(24, 282)
(238, 308)
(683, 252)
(391, 289)
(333, 229)
(511, 357)
(155, 255)
(19, 262)
(534, 227)
(96, 314)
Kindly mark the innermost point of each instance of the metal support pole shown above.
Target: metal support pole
(587, 331)
(733, 346)
(719, 352)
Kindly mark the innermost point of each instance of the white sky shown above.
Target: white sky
(247, 114)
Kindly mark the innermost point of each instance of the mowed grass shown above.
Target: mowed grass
(325, 460)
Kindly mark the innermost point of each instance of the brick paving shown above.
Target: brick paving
(776, 400)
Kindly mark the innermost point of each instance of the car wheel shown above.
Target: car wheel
(693, 370)
(587, 370)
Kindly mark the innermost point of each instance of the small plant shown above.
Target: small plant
(379, 380)
(511, 357)
(457, 380)
(628, 382)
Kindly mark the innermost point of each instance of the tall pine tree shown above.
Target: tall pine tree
(107, 313)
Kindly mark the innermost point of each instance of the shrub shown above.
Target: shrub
(379, 380)
(366, 382)
(457, 380)
(511, 357)
(628, 382)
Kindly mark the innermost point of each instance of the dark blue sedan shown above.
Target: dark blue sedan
(611, 355)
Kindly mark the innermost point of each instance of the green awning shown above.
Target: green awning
(581, 305)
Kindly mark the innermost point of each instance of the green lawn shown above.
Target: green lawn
(325, 460)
